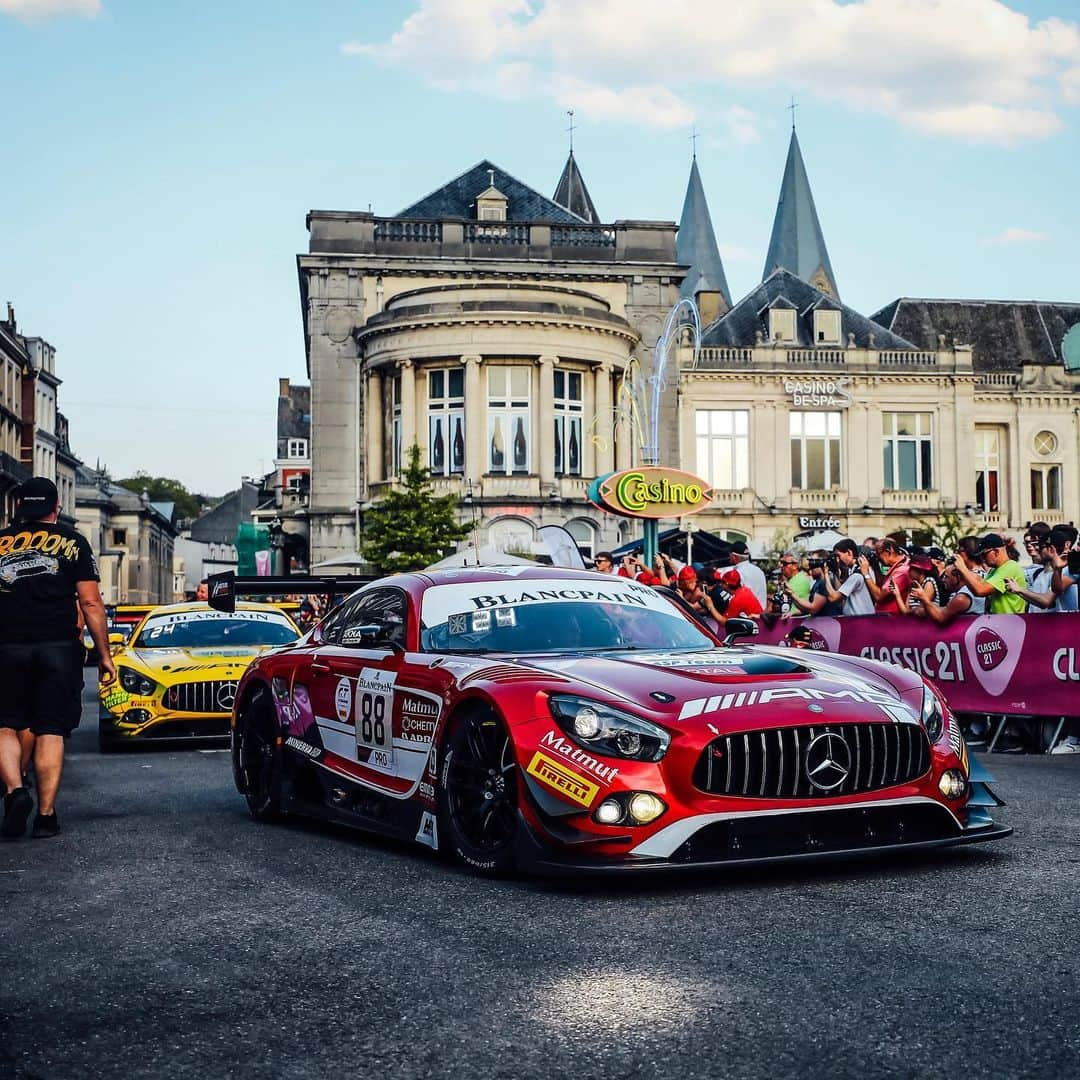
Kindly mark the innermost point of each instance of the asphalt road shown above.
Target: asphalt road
(165, 934)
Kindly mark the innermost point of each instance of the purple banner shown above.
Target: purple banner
(1025, 664)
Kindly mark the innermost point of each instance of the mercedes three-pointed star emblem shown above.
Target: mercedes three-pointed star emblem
(226, 695)
(828, 761)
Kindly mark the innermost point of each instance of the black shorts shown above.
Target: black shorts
(41, 686)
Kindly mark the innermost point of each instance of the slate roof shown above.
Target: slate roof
(1004, 334)
(695, 245)
(219, 525)
(797, 242)
(751, 315)
(572, 194)
(457, 199)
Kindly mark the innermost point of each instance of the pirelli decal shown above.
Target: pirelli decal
(555, 775)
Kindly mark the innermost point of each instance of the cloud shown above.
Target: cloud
(976, 70)
(37, 10)
(1014, 235)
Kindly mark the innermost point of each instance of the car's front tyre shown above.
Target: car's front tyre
(478, 801)
(260, 757)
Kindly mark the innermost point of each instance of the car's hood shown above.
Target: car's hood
(172, 665)
(738, 688)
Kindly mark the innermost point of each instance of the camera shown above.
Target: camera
(833, 563)
(816, 564)
(1074, 563)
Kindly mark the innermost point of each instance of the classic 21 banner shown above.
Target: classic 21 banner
(1026, 664)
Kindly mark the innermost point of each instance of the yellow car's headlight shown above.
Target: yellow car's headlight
(134, 682)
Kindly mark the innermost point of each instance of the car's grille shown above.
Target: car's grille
(822, 761)
(213, 696)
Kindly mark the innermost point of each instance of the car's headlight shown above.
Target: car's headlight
(932, 715)
(136, 683)
(608, 730)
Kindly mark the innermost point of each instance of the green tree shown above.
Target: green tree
(411, 528)
(944, 533)
(163, 489)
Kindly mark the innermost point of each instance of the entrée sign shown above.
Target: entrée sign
(651, 492)
(819, 523)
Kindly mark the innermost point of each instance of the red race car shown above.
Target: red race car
(555, 720)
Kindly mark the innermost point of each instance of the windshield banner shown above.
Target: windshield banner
(1022, 664)
(442, 601)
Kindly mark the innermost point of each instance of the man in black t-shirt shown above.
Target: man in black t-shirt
(47, 573)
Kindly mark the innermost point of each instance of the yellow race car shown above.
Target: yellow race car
(177, 674)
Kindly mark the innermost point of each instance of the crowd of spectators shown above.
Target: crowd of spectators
(879, 577)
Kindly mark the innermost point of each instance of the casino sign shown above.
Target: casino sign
(651, 492)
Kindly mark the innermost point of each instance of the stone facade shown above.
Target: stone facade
(132, 540)
(493, 334)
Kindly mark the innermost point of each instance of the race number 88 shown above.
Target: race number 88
(373, 719)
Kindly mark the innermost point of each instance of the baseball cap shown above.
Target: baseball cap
(646, 578)
(921, 562)
(37, 497)
(688, 573)
(740, 548)
(991, 541)
(731, 579)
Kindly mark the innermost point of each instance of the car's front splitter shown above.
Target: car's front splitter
(166, 728)
(719, 841)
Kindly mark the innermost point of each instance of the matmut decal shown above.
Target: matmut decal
(748, 698)
(561, 745)
(556, 776)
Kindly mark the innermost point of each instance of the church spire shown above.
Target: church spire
(695, 245)
(573, 195)
(797, 243)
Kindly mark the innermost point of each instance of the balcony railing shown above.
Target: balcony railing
(409, 232)
(458, 238)
(766, 356)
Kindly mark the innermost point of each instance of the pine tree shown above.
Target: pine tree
(411, 528)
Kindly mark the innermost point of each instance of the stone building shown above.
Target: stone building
(33, 432)
(132, 539)
(804, 414)
(14, 362)
(284, 494)
(489, 325)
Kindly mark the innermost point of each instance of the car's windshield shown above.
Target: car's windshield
(210, 629)
(556, 615)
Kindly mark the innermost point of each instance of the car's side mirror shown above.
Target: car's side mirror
(736, 628)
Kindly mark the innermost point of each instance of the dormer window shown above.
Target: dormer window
(826, 327)
(782, 324)
(491, 203)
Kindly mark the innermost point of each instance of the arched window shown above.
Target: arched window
(511, 535)
(584, 534)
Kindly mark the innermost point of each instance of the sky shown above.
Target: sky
(160, 159)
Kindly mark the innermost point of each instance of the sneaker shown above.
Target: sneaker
(17, 807)
(45, 825)
(1066, 747)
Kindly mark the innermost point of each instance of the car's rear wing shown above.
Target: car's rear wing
(225, 588)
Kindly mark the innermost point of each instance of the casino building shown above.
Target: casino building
(492, 325)
(804, 414)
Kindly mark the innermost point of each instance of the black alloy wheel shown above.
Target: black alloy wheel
(259, 758)
(479, 796)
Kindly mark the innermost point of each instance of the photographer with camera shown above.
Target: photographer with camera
(891, 595)
(818, 602)
(1000, 598)
(844, 583)
(1040, 593)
